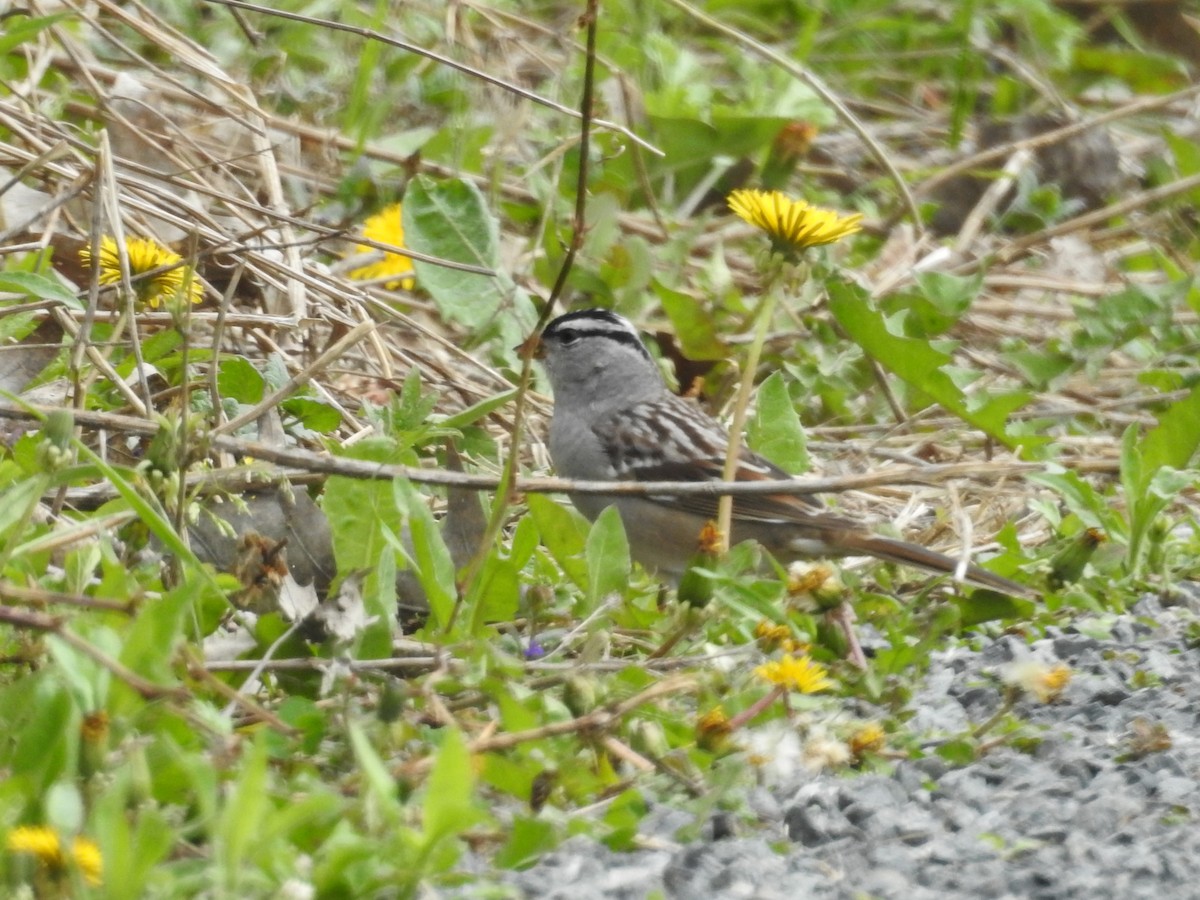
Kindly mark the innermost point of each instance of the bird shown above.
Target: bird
(615, 419)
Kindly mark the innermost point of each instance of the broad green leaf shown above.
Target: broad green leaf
(477, 411)
(957, 752)
(527, 839)
(357, 510)
(1174, 440)
(623, 818)
(19, 28)
(496, 594)
(17, 503)
(1081, 499)
(134, 837)
(564, 534)
(157, 347)
(42, 728)
(941, 300)
(239, 827)
(447, 807)
(775, 430)
(990, 606)
(18, 326)
(1187, 159)
(450, 220)
(43, 287)
(692, 324)
(607, 556)
(429, 557)
(1143, 72)
(238, 379)
(313, 414)
(379, 786)
(921, 365)
(150, 644)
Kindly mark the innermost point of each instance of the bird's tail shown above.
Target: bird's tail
(904, 553)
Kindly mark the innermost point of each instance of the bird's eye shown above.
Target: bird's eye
(568, 337)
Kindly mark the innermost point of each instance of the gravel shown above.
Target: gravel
(1097, 805)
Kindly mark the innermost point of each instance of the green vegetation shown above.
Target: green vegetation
(1031, 389)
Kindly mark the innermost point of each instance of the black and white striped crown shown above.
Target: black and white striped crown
(594, 323)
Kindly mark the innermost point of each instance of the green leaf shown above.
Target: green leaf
(607, 556)
(564, 534)
(158, 628)
(380, 787)
(447, 807)
(990, 606)
(496, 594)
(692, 324)
(1175, 439)
(527, 840)
(16, 327)
(477, 411)
(357, 511)
(1187, 159)
(238, 379)
(958, 752)
(941, 300)
(450, 220)
(775, 431)
(18, 502)
(313, 414)
(43, 287)
(430, 558)
(239, 829)
(922, 365)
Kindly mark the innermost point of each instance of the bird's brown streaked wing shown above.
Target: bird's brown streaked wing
(673, 440)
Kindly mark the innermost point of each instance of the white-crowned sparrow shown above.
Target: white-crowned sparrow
(615, 419)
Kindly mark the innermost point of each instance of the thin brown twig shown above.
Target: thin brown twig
(1020, 246)
(509, 478)
(56, 625)
(1046, 138)
(285, 390)
(44, 597)
(372, 34)
(309, 461)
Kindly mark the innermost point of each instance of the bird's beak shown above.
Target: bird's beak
(531, 347)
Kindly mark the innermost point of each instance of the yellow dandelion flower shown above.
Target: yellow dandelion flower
(88, 859)
(867, 738)
(145, 257)
(43, 844)
(39, 841)
(792, 225)
(797, 673)
(385, 227)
